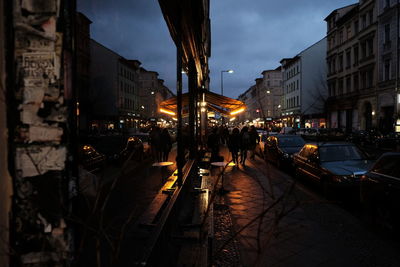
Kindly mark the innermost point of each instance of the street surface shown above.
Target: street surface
(266, 219)
(277, 221)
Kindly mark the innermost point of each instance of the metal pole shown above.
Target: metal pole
(222, 83)
(180, 154)
(397, 105)
(192, 110)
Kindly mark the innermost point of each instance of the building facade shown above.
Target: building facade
(304, 88)
(152, 92)
(263, 99)
(388, 62)
(271, 94)
(114, 90)
(83, 72)
(352, 66)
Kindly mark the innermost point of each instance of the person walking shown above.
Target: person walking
(213, 144)
(155, 143)
(234, 145)
(166, 144)
(254, 141)
(244, 144)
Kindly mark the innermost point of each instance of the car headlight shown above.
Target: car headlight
(286, 155)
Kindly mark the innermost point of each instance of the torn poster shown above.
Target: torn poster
(30, 42)
(41, 65)
(29, 114)
(45, 134)
(39, 6)
(57, 115)
(34, 90)
(37, 160)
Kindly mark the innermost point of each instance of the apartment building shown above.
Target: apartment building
(304, 87)
(352, 66)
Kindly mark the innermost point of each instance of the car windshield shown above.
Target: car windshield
(340, 153)
(290, 141)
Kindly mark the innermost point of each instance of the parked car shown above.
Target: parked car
(388, 142)
(334, 165)
(144, 137)
(263, 138)
(134, 147)
(364, 138)
(380, 191)
(280, 148)
(90, 158)
(287, 130)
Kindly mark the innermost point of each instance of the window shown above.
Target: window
(297, 100)
(356, 26)
(364, 21)
(348, 59)
(355, 81)
(340, 87)
(386, 74)
(387, 3)
(332, 88)
(348, 84)
(387, 33)
(355, 50)
(297, 84)
(370, 17)
(341, 62)
(370, 78)
(333, 65)
(363, 79)
(370, 47)
(363, 49)
(340, 37)
(348, 32)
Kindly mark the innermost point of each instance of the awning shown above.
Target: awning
(188, 22)
(225, 105)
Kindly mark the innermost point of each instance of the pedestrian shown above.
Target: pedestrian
(166, 144)
(244, 144)
(254, 141)
(213, 144)
(155, 143)
(234, 145)
(225, 134)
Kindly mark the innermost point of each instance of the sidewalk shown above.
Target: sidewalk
(277, 223)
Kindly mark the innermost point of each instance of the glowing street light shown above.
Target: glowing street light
(222, 79)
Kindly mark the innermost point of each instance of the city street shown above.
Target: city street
(278, 221)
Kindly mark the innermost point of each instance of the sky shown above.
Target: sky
(247, 36)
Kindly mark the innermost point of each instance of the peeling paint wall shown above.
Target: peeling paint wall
(41, 182)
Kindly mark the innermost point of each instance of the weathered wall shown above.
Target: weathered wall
(5, 179)
(41, 199)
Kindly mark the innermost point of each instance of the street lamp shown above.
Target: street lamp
(222, 79)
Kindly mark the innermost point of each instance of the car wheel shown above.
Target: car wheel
(384, 217)
(278, 163)
(326, 188)
(297, 173)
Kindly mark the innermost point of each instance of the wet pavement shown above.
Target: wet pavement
(276, 221)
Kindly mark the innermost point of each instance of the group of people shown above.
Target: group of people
(160, 143)
(239, 142)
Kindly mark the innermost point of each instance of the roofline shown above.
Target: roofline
(336, 10)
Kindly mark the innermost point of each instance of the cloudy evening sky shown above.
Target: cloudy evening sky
(248, 36)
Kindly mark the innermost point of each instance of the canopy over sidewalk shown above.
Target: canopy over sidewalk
(225, 105)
